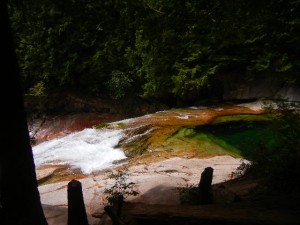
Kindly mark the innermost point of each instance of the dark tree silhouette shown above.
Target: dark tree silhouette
(20, 199)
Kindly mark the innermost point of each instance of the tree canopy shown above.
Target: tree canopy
(155, 49)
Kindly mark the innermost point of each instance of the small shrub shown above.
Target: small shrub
(38, 90)
(280, 165)
(188, 195)
(242, 169)
(121, 186)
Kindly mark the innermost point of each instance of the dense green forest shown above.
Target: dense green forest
(163, 49)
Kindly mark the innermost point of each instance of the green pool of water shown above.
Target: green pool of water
(238, 135)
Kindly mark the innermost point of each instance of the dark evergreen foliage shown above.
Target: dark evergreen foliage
(161, 49)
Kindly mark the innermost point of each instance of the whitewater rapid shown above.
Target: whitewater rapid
(88, 150)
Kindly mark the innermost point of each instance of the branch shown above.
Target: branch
(156, 10)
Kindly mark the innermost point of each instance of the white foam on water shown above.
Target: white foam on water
(256, 105)
(183, 116)
(198, 107)
(260, 104)
(89, 150)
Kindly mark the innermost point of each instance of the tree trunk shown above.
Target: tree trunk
(19, 195)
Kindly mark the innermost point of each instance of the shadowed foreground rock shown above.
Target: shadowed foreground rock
(208, 214)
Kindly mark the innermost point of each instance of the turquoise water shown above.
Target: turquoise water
(241, 135)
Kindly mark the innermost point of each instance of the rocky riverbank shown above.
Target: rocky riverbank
(240, 200)
(156, 183)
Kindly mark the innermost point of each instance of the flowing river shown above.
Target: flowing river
(167, 133)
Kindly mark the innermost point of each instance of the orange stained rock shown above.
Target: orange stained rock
(187, 117)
